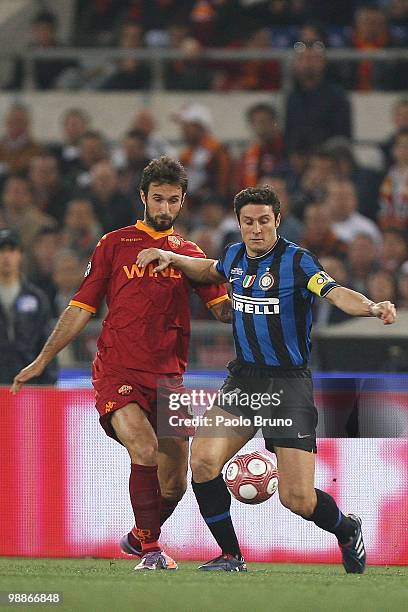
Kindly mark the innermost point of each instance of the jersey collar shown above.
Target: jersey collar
(258, 257)
(152, 232)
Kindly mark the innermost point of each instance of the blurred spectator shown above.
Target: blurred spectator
(189, 73)
(394, 190)
(40, 261)
(211, 218)
(265, 154)
(129, 73)
(49, 194)
(366, 181)
(318, 235)
(97, 21)
(206, 160)
(394, 250)
(25, 318)
(17, 210)
(67, 275)
(315, 106)
(135, 158)
(320, 170)
(206, 241)
(324, 312)
(113, 209)
(75, 123)
(156, 144)
(402, 299)
(312, 32)
(45, 71)
(400, 122)
(81, 229)
(92, 149)
(371, 32)
(290, 227)
(362, 260)
(258, 75)
(382, 286)
(341, 202)
(398, 12)
(17, 146)
(216, 23)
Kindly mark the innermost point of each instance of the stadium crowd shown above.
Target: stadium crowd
(61, 197)
(192, 26)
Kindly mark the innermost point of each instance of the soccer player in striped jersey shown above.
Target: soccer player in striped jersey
(274, 283)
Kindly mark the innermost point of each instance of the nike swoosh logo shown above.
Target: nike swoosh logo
(231, 280)
(300, 436)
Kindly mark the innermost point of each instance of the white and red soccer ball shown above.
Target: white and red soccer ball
(252, 478)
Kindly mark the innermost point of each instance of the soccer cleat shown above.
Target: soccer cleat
(226, 563)
(156, 560)
(354, 554)
(128, 548)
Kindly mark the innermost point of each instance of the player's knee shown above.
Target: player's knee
(301, 503)
(143, 452)
(174, 492)
(205, 466)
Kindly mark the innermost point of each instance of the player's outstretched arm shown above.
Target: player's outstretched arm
(223, 311)
(69, 325)
(196, 268)
(357, 304)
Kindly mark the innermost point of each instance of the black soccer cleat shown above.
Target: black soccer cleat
(224, 563)
(354, 554)
(127, 548)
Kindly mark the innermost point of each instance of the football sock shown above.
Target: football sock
(214, 502)
(327, 516)
(167, 507)
(145, 496)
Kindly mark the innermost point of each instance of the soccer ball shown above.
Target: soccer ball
(252, 478)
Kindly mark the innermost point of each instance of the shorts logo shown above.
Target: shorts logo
(174, 242)
(266, 281)
(125, 390)
(109, 406)
(248, 281)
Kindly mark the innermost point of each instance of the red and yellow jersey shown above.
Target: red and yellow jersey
(148, 322)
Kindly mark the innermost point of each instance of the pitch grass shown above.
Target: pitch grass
(100, 585)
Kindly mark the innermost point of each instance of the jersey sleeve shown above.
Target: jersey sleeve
(314, 278)
(93, 287)
(220, 265)
(210, 294)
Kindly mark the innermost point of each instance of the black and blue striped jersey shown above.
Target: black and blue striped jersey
(272, 298)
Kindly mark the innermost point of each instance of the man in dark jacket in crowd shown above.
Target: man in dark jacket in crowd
(24, 315)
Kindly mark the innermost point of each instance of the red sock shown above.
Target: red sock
(145, 496)
(167, 507)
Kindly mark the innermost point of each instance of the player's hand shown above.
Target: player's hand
(31, 371)
(385, 311)
(148, 255)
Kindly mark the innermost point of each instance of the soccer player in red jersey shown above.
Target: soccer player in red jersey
(144, 338)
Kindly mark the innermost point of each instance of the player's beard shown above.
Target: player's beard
(160, 223)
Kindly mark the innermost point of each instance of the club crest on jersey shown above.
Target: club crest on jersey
(248, 281)
(174, 242)
(125, 390)
(266, 281)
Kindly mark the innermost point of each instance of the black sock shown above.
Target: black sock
(214, 502)
(327, 516)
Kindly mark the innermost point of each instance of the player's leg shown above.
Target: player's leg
(173, 464)
(211, 448)
(298, 494)
(134, 430)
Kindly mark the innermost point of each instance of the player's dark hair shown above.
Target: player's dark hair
(257, 195)
(260, 107)
(164, 170)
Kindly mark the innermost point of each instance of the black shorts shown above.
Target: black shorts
(277, 401)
